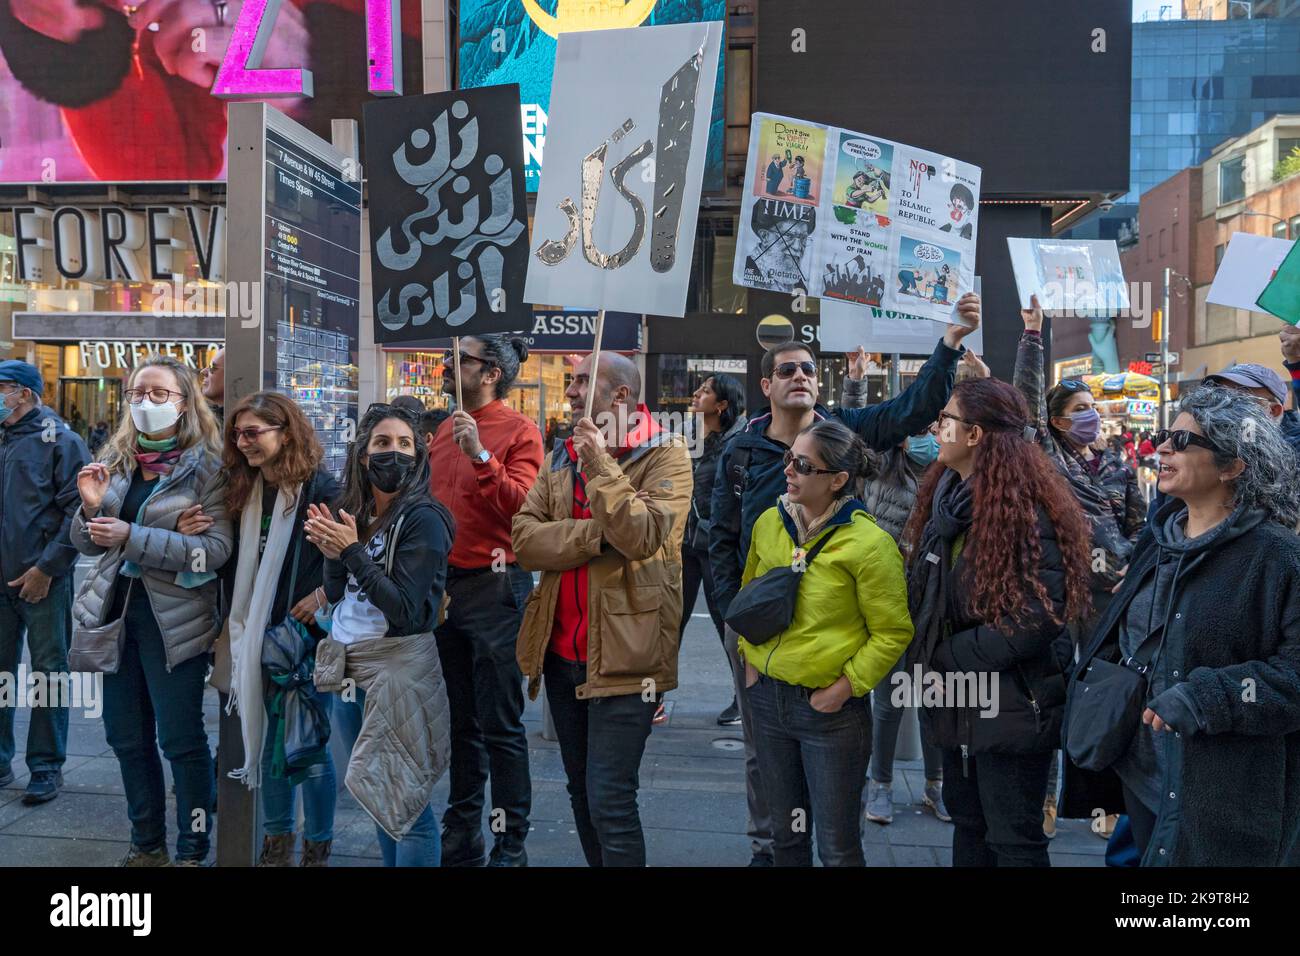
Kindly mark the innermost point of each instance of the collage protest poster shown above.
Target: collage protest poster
(843, 326)
(1078, 277)
(448, 214)
(625, 150)
(838, 214)
(1248, 265)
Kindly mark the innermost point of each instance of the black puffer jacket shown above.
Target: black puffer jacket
(1109, 497)
(1231, 791)
(1027, 664)
(705, 474)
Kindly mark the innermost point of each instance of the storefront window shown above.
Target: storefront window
(681, 375)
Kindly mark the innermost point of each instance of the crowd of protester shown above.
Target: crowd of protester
(969, 533)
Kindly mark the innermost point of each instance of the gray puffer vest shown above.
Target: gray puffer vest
(177, 570)
(889, 489)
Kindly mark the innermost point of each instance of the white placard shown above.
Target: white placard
(625, 148)
(1248, 264)
(844, 215)
(844, 326)
(1077, 277)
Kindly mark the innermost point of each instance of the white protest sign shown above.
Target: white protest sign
(843, 215)
(843, 326)
(1077, 277)
(625, 149)
(1248, 265)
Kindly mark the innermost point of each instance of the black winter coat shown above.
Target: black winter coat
(1232, 787)
(1028, 663)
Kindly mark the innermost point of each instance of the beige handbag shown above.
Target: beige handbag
(220, 677)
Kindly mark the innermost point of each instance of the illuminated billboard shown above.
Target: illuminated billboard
(513, 41)
(101, 97)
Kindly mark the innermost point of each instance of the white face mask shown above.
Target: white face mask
(151, 419)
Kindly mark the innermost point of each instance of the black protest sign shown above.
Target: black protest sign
(448, 216)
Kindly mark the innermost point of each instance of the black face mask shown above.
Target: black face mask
(388, 469)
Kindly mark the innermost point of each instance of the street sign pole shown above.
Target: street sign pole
(1164, 353)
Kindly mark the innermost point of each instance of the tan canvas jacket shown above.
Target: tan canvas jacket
(633, 551)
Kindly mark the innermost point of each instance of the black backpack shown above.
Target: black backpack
(765, 606)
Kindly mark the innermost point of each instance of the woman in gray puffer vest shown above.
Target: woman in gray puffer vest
(163, 461)
(888, 489)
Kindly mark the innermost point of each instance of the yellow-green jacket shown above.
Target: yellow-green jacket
(851, 617)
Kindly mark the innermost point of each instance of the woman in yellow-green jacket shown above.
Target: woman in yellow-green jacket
(808, 685)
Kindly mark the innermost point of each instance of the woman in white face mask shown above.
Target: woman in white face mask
(163, 463)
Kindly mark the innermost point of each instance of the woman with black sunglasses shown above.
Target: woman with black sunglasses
(807, 686)
(1210, 607)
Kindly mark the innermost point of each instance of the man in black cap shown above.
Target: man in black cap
(40, 457)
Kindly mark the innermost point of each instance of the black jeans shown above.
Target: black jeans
(601, 743)
(813, 767)
(696, 571)
(1141, 821)
(485, 692)
(996, 802)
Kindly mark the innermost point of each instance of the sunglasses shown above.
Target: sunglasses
(1073, 385)
(802, 466)
(1179, 440)
(448, 357)
(787, 369)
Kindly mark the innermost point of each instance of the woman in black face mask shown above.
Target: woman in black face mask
(386, 554)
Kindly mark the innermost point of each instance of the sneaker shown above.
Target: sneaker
(760, 859)
(932, 797)
(1049, 817)
(139, 858)
(730, 716)
(6, 776)
(880, 803)
(661, 714)
(43, 787)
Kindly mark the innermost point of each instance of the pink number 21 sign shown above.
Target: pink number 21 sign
(242, 77)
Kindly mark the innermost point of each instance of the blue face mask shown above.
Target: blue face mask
(923, 450)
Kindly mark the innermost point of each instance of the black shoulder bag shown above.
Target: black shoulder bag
(1104, 709)
(765, 606)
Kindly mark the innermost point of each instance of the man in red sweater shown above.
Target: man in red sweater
(483, 461)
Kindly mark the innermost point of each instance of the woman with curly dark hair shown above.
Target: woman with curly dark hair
(998, 565)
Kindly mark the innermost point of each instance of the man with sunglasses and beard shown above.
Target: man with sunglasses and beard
(483, 460)
(751, 477)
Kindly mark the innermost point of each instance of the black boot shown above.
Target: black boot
(462, 847)
(508, 851)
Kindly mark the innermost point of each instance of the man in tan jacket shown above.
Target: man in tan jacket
(604, 525)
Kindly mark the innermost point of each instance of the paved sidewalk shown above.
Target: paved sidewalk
(692, 795)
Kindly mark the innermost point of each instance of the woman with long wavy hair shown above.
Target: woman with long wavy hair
(998, 566)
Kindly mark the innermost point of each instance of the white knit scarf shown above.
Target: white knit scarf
(250, 608)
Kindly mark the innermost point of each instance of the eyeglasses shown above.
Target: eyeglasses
(802, 466)
(787, 369)
(156, 395)
(944, 416)
(210, 369)
(252, 433)
(1179, 440)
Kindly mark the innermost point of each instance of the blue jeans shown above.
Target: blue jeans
(814, 766)
(146, 707)
(886, 719)
(319, 795)
(422, 846)
(47, 625)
